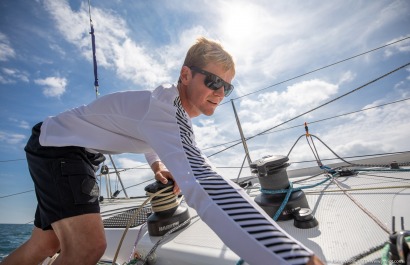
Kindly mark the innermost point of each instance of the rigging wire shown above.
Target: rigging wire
(318, 69)
(12, 160)
(14, 194)
(332, 175)
(317, 121)
(344, 114)
(327, 159)
(315, 108)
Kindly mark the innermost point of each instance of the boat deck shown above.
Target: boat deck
(345, 231)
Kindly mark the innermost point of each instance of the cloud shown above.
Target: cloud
(5, 80)
(208, 133)
(401, 47)
(124, 162)
(58, 49)
(20, 124)
(13, 75)
(283, 40)
(11, 138)
(373, 128)
(115, 49)
(24, 125)
(276, 107)
(52, 86)
(132, 171)
(347, 77)
(6, 51)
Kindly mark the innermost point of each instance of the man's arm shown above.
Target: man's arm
(226, 208)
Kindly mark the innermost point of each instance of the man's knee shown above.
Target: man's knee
(100, 246)
(44, 243)
(49, 249)
(93, 252)
(82, 237)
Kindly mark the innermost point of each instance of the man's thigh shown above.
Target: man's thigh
(79, 232)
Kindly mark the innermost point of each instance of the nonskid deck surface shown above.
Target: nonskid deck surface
(344, 232)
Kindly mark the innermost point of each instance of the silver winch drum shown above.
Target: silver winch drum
(272, 175)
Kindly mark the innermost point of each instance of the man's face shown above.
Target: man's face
(199, 98)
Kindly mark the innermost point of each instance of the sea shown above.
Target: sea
(12, 236)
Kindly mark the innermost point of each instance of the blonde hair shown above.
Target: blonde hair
(206, 51)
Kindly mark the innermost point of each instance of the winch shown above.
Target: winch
(272, 175)
(167, 212)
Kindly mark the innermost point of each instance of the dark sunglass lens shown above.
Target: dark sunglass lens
(212, 82)
(209, 82)
(218, 82)
(228, 89)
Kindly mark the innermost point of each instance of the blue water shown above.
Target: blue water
(12, 236)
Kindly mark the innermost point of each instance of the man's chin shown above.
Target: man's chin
(208, 112)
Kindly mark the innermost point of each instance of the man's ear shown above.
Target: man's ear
(185, 75)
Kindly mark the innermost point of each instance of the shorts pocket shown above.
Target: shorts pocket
(81, 179)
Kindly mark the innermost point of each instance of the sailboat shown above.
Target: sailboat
(347, 210)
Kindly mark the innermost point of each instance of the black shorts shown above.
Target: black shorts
(64, 180)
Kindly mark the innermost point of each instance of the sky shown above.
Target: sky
(46, 68)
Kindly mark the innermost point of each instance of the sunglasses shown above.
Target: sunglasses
(213, 81)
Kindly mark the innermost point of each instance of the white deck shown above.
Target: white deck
(344, 230)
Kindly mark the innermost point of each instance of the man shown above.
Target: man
(63, 151)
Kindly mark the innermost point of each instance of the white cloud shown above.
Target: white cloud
(208, 133)
(276, 107)
(58, 49)
(132, 171)
(14, 74)
(6, 51)
(400, 47)
(373, 127)
(347, 77)
(20, 124)
(11, 138)
(52, 86)
(114, 47)
(272, 41)
(5, 80)
(363, 133)
(24, 125)
(129, 163)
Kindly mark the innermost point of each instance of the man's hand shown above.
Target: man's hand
(162, 174)
(314, 260)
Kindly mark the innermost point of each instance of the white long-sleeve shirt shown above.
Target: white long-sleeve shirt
(155, 122)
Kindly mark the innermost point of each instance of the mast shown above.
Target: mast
(245, 146)
(96, 86)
